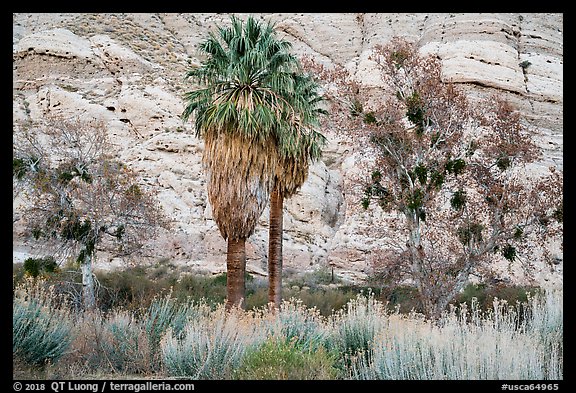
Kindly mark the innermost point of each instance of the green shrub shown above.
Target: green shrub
(325, 300)
(283, 360)
(41, 333)
(524, 65)
(485, 294)
(355, 327)
(128, 289)
(209, 289)
(126, 344)
(472, 291)
(220, 279)
(164, 313)
(211, 345)
(296, 323)
(257, 293)
(405, 298)
(35, 267)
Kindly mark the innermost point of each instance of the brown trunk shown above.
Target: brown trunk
(235, 276)
(275, 248)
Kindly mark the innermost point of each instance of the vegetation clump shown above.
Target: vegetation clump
(283, 360)
(365, 340)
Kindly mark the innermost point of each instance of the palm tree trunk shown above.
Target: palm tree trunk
(235, 276)
(275, 248)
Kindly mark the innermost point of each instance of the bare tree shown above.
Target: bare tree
(457, 174)
(77, 194)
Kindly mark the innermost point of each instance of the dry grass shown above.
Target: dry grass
(365, 340)
(507, 342)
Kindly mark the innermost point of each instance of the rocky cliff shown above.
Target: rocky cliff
(128, 69)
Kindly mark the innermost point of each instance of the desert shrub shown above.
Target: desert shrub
(85, 352)
(355, 326)
(296, 323)
(546, 320)
(211, 344)
(138, 287)
(325, 300)
(126, 345)
(128, 289)
(35, 267)
(283, 360)
(466, 343)
(472, 292)
(220, 279)
(209, 289)
(167, 314)
(484, 294)
(125, 341)
(257, 297)
(178, 338)
(18, 274)
(64, 283)
(321, 276)
(403, 297)
(41, 331)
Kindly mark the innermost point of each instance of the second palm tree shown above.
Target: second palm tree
(241, 106)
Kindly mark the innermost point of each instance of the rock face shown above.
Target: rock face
(128, 69)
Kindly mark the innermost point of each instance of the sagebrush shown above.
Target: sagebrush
(365, 340)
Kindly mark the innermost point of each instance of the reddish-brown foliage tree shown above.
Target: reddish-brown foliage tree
(457, 174)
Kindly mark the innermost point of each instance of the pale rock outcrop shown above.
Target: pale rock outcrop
(128, 70)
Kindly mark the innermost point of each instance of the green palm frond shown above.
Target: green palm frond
(241, 60)
(252, 89)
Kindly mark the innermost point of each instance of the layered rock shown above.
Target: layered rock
(128, 69)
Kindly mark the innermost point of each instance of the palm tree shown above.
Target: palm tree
(297, 148)
(239, 107)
